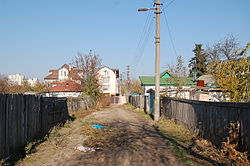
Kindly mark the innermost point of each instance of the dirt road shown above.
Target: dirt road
(139, 144)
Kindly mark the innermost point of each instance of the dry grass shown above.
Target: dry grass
(82, 113)
(197, 150)
(104, 102)
(59, 142)
(231, 146)
(103, 138)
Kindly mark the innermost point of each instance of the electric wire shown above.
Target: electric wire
(168, 4)
(170, 34)
(143, 34)
(144, 38)
(143, 45)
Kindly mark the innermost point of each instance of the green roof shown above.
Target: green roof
(166, 80)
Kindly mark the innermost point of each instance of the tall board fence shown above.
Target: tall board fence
(24, 118)
(209, 120)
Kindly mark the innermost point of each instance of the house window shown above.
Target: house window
(64, 73)
(105, 88)
(106, 80)
(106, 72)
(61, 73)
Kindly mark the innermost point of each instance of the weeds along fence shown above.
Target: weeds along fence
(24, 118)
(79, 103)
(209, 120)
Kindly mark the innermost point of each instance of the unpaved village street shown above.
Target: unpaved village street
(135, 142)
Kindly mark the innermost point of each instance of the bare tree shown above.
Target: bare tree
(229, 46)
(4, 87)
(223, 50)
(136, 87)
(214, 53)
(87, 65)
(178, 69)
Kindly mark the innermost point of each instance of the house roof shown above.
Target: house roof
(53, 74)
(65, 66)
(166, 79)
(67, 86)
(114, 70)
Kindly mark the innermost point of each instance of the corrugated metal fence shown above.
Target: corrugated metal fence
(24, 118)
(210, 120)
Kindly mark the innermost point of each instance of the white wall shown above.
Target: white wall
(63, 94)
(63, 74)
(108, 81)
(16, 79)
(32, 81)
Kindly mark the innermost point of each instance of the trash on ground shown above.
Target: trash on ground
(84, 149)
(98, 126)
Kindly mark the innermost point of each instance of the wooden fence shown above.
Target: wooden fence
(24, 118)
(138, 101)
(79, 103)
(209, 120)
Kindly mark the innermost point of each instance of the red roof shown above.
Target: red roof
(67, 86)
(53, 74)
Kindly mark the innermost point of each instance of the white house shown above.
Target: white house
(60, 74)
(109, 81)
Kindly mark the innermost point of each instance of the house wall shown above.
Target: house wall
(63, 74)
(152, 87)
(63, 94)
(108, 81)
(50, 80)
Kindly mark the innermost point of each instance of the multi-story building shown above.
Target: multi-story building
(109, 81)
(17, 79)
(108, 78)
(60, 74)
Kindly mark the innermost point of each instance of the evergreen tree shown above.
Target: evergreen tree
(198, 63)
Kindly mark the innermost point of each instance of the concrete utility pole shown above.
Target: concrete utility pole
(157, 58)
(157, 61)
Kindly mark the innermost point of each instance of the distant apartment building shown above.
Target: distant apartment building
(32, 81)
(17, 79)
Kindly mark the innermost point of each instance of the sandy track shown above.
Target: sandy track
(145, 146)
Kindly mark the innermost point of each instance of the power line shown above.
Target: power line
(168, 4)
(170, 34)
(144, 38)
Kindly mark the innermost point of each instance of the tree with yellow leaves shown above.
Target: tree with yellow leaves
(234, 75)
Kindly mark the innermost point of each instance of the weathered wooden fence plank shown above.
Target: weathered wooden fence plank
(209, 120)
(24, 118)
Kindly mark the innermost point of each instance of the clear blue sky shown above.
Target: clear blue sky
(36, 36)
